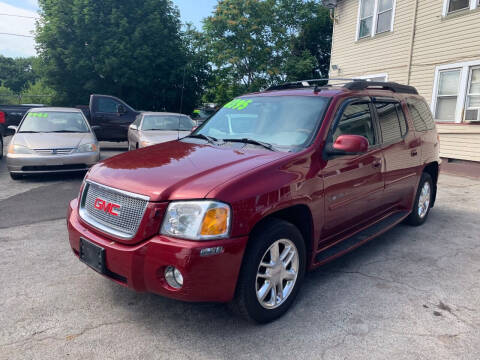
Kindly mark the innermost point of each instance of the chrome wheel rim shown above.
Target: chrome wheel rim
(277, 274)
(424, 200)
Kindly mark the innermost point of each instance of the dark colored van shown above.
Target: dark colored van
(274, 184)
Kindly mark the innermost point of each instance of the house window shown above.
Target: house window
(455, 5)
(456, 94)
(472, 111)
(451, 6)
(447, 94)
(375, 16)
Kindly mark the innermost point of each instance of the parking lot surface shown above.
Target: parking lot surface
(413, 293)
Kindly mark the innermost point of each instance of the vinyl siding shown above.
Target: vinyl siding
(438, 40)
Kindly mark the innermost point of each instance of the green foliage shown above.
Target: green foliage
(132, 49)
(39, 93)
(256, 43)
(16, 74)
(7, 96)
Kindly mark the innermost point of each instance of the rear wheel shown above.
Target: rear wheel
(272, 272)
(1, 146)
(423, 201)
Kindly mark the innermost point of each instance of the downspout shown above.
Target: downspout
(412, 41)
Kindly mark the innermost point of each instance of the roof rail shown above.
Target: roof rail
(349, 83)
(392, 86)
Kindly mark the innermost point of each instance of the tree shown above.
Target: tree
(256, 43)
(38, 93)
(132, 49)
(16, 74)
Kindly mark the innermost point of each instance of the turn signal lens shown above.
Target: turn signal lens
(215, 222)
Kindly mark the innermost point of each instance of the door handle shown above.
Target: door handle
(377, 164)
(414, 153)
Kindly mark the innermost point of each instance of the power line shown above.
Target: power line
(22, 16)
(27, 36)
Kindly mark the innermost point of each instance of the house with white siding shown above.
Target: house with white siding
(433, 45)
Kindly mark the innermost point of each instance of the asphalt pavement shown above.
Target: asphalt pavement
(413, 293)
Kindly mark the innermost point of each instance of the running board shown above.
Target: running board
(361, 237)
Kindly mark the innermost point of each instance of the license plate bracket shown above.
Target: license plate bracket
(92, 255)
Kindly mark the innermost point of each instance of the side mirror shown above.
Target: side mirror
(348, 145)
(133, 127)
(121, 109)
(12, 127)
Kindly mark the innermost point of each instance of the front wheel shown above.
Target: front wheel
(423, 201)
(272, 272)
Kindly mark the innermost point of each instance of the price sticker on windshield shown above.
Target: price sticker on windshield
(41, 115)
(238, 104)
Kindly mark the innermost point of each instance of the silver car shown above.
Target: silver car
(52, 140)
(151, 128)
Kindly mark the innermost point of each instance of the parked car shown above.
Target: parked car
(111, 117)
(202, 114)
(52, 140)
(274, 184)
(152, 128)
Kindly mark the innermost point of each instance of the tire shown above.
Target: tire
(1, 146)
(16, 176)
(423, 201)
(271, 234)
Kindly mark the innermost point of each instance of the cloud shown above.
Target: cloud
(17, 46)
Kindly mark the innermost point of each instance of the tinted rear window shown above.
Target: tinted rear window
(421, 115)
(392, 121)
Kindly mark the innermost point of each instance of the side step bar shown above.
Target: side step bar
(362, 236)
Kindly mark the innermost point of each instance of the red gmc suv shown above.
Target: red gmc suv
(274, 184)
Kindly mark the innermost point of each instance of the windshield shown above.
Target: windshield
(54, 121)
(167, 122)
(286, 122)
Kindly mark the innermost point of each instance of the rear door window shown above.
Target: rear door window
(356, 119)
(391, 120)
(421, 115)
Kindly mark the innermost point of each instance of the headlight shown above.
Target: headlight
(87, 148)
(19, 149)
(197, 220)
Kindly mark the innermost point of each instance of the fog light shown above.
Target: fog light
(174, 277)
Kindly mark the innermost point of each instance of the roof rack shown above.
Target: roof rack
(349, 83)
(392, 86)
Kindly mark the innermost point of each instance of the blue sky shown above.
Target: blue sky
(16, 46)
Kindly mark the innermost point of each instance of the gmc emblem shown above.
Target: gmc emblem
(109, 208)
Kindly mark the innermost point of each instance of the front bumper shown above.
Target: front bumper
(141, 266)
(33, 163)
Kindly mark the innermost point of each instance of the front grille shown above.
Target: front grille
(129, 214)
(61, 151)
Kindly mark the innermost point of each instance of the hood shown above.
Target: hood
(178, 170)
(52, 140)
(161, 136)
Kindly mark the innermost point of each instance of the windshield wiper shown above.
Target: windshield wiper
(252, 141)
(30, 132)
(210, 139)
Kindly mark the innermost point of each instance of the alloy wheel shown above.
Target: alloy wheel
(277, 273)
(424, 200)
